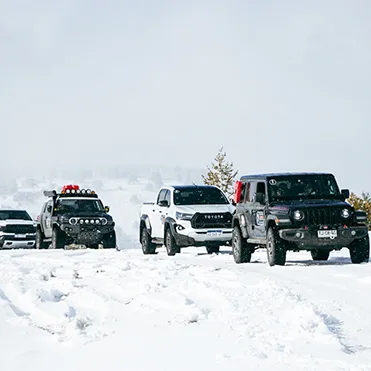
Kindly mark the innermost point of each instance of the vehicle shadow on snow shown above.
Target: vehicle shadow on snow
(333, 261)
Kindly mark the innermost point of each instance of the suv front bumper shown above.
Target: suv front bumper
(12, 240)
(203, 237)
(309, 238)
(86, 233)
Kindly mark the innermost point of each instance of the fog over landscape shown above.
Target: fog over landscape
(92, 86)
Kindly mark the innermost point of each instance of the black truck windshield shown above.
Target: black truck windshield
(199, 196)
(68, 205)
(296, 187)
(14, 214)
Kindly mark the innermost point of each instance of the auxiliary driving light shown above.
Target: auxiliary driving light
(345, 213)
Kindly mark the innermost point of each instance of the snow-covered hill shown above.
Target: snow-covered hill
(121, 310)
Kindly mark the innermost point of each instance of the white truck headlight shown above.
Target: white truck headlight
(183, 216)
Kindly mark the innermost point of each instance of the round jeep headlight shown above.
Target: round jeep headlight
(73, 221)
(104, 221)
(298, 215)
(345, 213)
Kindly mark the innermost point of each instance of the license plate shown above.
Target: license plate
(20, 236)
(214, 233)
(327, 234)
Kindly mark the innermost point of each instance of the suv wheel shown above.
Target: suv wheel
(240, 248)
(276, 249)
(58, 239)
(212, 249)
(39, 240)
(148, 246)
(171, 247)
(320, 254)
(360, 250)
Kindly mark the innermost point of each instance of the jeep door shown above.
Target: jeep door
(256, 206)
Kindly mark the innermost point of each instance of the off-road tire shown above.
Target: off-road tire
(241, 250)
(148, 247)
(276, 248)
(171, 247)
(212, 249)
(320, 254)
(360, 250)
(58, 239)
(109, 240)
(39, 240)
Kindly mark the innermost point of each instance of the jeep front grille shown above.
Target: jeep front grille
(19, 228)
(322, 216)
(211, 220)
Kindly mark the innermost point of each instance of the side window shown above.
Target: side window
(243, 192)
(167, 197)
(252, 192)
(260, 188)
(50, 204)
(161, 195)
(248, 187)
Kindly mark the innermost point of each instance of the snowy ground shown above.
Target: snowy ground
(121, 310)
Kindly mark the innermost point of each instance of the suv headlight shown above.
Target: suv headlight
(298, 215)
(345, 213)
(183, 216)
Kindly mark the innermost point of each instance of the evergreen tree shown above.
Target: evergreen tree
(221, 173)
(362, 203)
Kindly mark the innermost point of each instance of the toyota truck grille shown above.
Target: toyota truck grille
(19, 228)
(211, 220)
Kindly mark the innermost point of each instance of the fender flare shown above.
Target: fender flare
(144, 223)
(169, 223)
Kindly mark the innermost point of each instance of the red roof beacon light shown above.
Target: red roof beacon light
(70, 188)
(237, 191)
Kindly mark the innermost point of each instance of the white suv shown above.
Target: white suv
(188, 215)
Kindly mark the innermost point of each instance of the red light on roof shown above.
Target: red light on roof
(70, 187)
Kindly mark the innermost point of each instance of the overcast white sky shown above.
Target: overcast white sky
(282, 85)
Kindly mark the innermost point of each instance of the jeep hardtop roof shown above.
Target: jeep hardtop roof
(276, 175)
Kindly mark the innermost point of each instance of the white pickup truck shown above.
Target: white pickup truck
(188, 215)
(17, 229)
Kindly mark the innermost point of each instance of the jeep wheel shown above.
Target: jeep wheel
(240, 248)
(58, 239)
(171, 247)
(212, 249)
(109, 241)
(276, 249)
(148, 246)
(39, 240)
(360, 250)
(320, 254)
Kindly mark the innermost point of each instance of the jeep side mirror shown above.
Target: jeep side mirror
(260, 198)
(106, 209)
(163, 203)
(345, 193)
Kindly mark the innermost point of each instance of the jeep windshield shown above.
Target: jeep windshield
(199, 196)
(68, 205)
(14, 214)
(301, 187)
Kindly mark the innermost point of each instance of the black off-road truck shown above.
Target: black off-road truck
(74, 216)
(296, 211)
